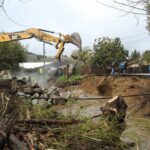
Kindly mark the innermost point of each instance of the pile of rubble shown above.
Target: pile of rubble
(29, 91)
(5, 74)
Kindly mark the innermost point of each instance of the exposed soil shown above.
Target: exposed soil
(102, 86)
(112, 86)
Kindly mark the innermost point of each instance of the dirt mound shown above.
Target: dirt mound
(105, 88)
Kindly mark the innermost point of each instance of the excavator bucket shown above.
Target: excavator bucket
(76, 40)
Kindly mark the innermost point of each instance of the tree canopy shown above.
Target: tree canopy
(146, 56)
(11, 54)
(135, 55)
(108, 51)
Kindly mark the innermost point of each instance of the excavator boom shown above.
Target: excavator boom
(49, 37)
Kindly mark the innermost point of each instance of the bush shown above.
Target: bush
(11, 54)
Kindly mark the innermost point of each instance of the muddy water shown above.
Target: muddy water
(138, 130)
(83, 108)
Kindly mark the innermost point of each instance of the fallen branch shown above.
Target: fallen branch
(15, 144)
(49, 122)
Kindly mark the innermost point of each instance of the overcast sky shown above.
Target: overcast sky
(90, 19)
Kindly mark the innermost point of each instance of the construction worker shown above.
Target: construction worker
(121, 67)
(113, 70)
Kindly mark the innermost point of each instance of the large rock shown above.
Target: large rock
(19, 93)
(53, 91)
(44, 96)
(38, 90)
(35, 85)
(66, 94)
(35, 96)
(5, 74)
(34, 101)
(22, 81)
(28, 90)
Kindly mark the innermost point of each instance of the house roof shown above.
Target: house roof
(32, 65)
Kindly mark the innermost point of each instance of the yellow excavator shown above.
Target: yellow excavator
(46, 36)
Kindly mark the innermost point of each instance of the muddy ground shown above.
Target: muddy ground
(121, 85)
(138, 113)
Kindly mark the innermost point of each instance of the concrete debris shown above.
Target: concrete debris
(32, 92)
(44, 96)
(28, 90)
(5, 74)
(66, 94)
(34, 101)
(36, 95)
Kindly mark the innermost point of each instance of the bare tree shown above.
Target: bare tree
(134, 7)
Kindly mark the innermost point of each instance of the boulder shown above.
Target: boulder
(22, 81)
(34, 101)
(44, 96)
(38, 90)
(28, 90)
(49, 101)
(35, 85)
(19, 93)
(35, 96)
(66, 94)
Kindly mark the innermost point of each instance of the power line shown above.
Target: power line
(9, 18)
(132, 36)
(131, 6)
(116, 8)
(25, 1)
(136, 40)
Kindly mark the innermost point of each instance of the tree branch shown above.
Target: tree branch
(142, 9)
(2, 3)
(135, 13)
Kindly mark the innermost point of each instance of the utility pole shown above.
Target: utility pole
(44, 56)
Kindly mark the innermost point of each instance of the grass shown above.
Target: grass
(63, 80)
(60, 137)
(70, 79)
(88, 132)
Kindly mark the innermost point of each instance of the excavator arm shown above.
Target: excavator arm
(49, 37)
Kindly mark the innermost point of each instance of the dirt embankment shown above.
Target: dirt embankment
(124, 86)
